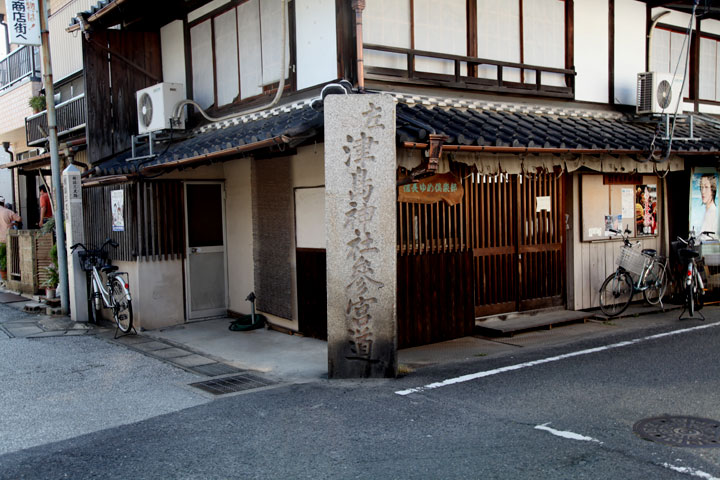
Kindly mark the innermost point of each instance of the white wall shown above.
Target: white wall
(6, 186)
(157, 292)
(239, 233)
(710, 26)
(629, 49)
(316, 43)
(591, 50)
(677, 19)
(172, 44)
(205, 9)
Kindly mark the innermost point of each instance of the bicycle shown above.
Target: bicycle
(618, 289)
(694, 287)
(115, 294)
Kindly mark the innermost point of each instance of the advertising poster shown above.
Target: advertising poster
(117, 204)
(703, 200)
(646, 209)
(614, 222)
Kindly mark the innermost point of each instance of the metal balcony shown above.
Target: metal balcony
(70, 118)
(20, 63)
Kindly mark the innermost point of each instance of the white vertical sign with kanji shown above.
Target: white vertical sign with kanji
(23, 18)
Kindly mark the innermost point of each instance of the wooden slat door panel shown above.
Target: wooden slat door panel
(541, 242)
(493, 214)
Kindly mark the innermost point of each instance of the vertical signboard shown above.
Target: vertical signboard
(360, 230)
(23, 18)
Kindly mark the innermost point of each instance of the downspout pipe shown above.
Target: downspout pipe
(7, 34)
(358, 6)
(655, 21)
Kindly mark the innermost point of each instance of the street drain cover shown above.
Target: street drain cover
(679, 431)
(235, 383)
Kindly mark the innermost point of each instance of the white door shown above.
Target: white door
(205, 264)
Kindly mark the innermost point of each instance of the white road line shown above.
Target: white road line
(690, 471)
(566, 434)
(509, 368)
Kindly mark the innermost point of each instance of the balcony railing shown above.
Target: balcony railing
(70, 118)
(20, 63)
(469, 73)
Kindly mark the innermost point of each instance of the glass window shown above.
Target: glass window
(236, 53)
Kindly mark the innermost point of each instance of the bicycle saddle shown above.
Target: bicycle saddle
(649, 251)
(109, 268)
(686, 252)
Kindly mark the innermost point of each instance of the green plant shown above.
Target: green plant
(52, 270)
(37, 103)
(53, 277)
(3, 257)
(48, 227)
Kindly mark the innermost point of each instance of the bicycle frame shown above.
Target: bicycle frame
(104, 295)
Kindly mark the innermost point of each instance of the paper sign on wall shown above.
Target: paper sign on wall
(542, 203)
(117, 204)
(628, 202)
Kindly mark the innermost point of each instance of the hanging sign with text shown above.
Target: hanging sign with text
(445, 186)
(23, 18)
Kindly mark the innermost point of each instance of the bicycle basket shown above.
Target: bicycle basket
(632, 260)
(90, 259)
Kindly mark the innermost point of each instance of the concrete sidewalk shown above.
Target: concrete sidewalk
(210, 348)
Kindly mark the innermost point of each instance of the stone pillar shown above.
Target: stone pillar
(360, 225)
(72, 189)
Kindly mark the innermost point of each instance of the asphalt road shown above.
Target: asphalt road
(569, 415)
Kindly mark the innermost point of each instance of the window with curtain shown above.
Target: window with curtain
(520, 31)
(236, 53)
(709, 81)
(669, 53)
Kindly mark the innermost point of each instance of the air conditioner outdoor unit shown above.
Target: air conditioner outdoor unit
(155, 107)
(658, 92)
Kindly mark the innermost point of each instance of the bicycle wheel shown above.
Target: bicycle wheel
(657, 280)
(690, 298)
(616, 293)
(699, 295)
(122, 307)
(92, 312)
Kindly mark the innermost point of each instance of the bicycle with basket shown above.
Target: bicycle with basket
(694, 283)
(114, 293)
(638, 271)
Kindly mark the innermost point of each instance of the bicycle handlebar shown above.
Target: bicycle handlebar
(107, 242)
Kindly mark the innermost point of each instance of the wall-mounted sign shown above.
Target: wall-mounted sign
(446, 187)
(646, 210)
(23, 18)
(117, 204)
(542, 204)
(703, 200)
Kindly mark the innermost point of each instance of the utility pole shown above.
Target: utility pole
(54, 158)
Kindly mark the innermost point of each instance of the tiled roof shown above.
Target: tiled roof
(296, 121)
(466, 123)
(526, 126)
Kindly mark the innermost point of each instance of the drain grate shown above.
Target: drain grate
(235, 383)
(679, 431)
(215, 369)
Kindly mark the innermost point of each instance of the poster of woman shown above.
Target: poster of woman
(646, 210)
(703, 201)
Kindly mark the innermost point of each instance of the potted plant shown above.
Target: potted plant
(53, 275)
(3, 261)
(37, 103)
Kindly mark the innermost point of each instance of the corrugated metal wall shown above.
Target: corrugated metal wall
(66, 47)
